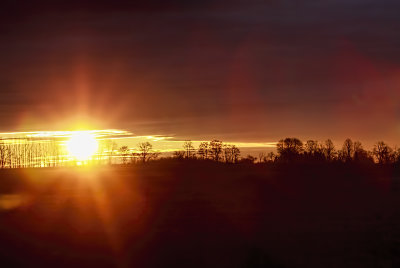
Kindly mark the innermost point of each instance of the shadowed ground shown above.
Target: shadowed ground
(195, 214)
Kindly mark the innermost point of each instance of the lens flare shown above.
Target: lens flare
(82, 145)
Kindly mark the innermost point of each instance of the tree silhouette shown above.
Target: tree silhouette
(3, 155)
(124, 150)
(46, 152)
(145, 151)
(271, 157)
(262, 157)
(329, 150)
(203, 150)
(249, 159)
(189, 149)
(179, 154)
(289, 149)
(382, 152)
(359, 154)
(235, 153)
(314, 151)
(347, 150)
(215, 149)
(230, 153)
(311, 147)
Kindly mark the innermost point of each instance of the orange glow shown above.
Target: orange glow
(82, 145)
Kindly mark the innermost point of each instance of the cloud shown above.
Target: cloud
(235, 69)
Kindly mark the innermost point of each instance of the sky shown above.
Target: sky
(240, 71)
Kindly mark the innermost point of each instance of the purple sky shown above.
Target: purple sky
(234, 70)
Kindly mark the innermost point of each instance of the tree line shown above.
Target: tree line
(28, 153)
(50, 152)
(214, 150)
(291, 150)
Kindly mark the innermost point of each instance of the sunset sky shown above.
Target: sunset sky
(240, 71)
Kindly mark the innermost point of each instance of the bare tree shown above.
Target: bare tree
(311, 147)
(289, 149)
(189, 149)
(216, 149)
(235, 153)
(358, 150)
(347, 150)
(227, 153)
(146, 152)
(230, 153)
(3, 155)
(124, 150)
(329, 150)
(203, 150)
(382, 152)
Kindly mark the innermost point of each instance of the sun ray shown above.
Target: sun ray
(82, 145)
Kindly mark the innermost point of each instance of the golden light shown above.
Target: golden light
(82, 145)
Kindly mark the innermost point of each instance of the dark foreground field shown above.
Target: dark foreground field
(183, 214)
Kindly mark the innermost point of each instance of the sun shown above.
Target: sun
(82, 145)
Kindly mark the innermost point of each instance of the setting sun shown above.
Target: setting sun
(82, 145)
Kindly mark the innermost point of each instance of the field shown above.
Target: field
(200, 214)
